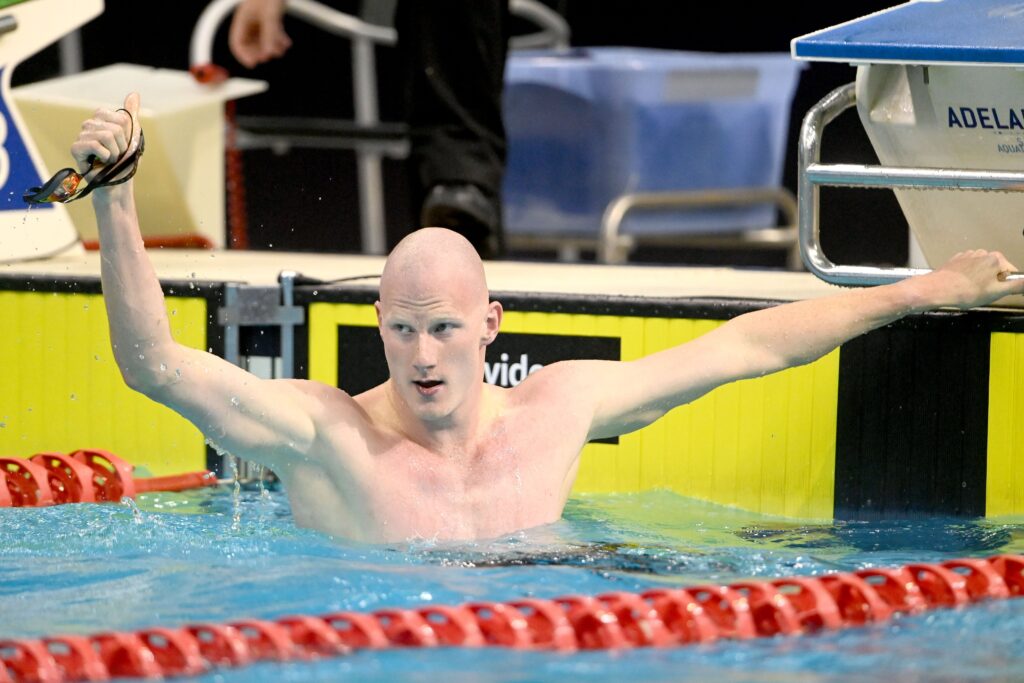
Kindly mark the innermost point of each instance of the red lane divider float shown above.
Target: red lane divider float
(656, 618)
(85, 476)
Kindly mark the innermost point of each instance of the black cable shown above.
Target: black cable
(301, 280)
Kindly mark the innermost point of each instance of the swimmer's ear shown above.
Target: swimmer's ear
(492, 323)
(376, 307)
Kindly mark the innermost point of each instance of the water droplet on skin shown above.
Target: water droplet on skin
(177, 373)
(163, 367)
(234, 400)
(142, 356)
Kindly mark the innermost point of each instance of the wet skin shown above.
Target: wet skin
(434, 452)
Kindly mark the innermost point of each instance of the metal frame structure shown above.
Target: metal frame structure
(614, 247)
(813, 174)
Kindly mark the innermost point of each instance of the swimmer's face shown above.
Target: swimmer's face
(435, 331)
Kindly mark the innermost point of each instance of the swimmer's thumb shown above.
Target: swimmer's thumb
(131, 105)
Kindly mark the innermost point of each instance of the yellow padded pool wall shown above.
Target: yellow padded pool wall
(60, 389)
(1005, 471)
(766, 445)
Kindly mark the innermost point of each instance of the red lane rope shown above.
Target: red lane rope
(656, 618)
(84, 476)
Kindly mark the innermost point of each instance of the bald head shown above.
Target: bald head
(432, 259)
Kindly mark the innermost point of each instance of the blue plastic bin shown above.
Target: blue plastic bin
(588, 125)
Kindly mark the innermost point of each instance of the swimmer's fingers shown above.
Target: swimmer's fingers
(974, 278)
(89, 153)
(107, 135)
(131, 105)
(1004, 263)
(101, 141)
(1009, 276)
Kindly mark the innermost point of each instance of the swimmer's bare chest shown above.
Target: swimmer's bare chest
(519, 476)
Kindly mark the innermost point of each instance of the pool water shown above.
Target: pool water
(215, 556)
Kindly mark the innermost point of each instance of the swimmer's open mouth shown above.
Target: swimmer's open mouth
(427, 383)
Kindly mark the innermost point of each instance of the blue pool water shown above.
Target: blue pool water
(207, 556)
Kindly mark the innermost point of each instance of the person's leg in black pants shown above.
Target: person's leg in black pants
(453, 52)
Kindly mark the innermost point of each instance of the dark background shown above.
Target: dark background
(306, 200)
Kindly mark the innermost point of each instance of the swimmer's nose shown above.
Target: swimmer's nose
(426, 353)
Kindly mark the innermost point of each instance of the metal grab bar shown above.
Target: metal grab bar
(365, 37)
(812, 174)
(613, 246)
(554, 30)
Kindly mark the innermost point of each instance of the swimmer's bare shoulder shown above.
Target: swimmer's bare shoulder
(279, 423)
(339, 419)
(563, 392)
(611, 398)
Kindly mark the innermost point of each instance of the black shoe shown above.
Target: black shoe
(466, 210)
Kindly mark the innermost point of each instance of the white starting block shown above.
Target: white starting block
(27, 28)
(939, 91)
(180, 187)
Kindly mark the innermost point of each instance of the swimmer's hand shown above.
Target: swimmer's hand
(969, 279)
(257, 32)
(108, 136)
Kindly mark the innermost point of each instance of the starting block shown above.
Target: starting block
(938, 91)
(181, 191)
(27, 28)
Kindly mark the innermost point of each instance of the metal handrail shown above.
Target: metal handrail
(812, 174)
(554, 29)
(612, 243)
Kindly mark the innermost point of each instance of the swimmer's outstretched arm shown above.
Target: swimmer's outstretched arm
(633, 394)
(270, 422)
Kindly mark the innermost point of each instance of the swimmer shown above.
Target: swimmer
(434, 452)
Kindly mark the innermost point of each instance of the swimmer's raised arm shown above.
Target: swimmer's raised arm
(630, 395)
(266, 421)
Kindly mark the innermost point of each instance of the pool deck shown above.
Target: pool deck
(263, 267)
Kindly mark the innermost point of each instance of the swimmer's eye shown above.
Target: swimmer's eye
(443, 328)
(401, 328)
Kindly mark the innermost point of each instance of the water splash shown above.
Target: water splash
(236, 495)
(134, 507)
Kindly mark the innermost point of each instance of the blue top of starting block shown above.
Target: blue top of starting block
(925, 32)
